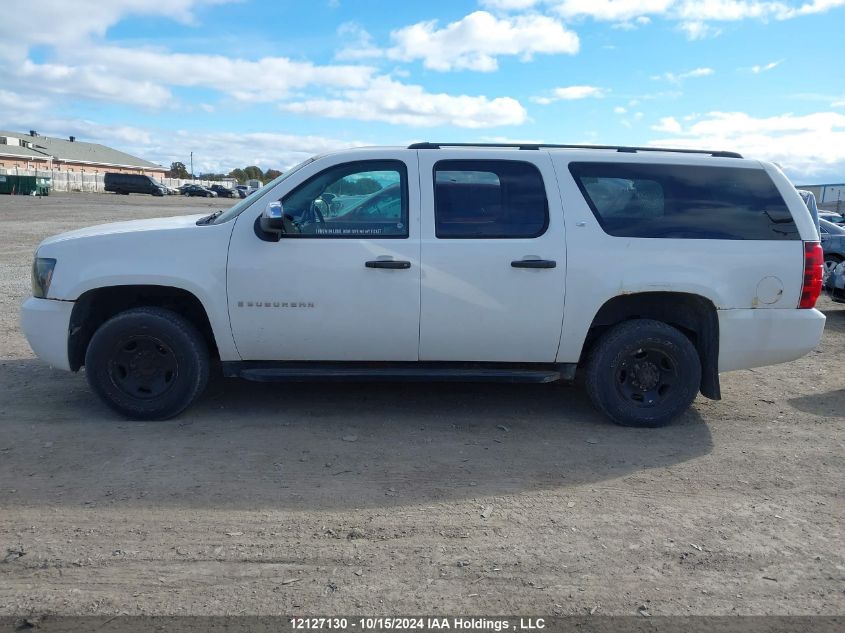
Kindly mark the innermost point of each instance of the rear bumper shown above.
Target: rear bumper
(754, 338)
(46, 325)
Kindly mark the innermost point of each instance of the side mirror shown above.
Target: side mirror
(272, 219)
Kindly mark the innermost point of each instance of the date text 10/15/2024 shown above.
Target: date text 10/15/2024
(416, 623)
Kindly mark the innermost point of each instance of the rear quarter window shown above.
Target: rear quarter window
(684, 201)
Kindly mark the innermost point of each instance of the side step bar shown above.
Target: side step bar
(261, 371)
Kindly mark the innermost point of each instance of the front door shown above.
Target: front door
(343, 283)
(493, 255)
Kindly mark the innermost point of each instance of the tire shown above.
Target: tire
(643, 373)
(147, 363)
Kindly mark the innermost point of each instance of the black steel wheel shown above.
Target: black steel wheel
(147, 363)
(143, 366)
(643, 373)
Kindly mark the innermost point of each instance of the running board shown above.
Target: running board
(400, 372)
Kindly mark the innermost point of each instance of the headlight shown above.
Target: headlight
(42, 275)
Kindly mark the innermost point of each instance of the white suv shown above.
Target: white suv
(651, 270)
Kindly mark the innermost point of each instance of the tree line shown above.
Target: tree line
(253, 172)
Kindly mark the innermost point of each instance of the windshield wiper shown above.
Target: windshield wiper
(210, 218)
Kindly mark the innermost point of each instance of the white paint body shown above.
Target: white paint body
(460, 300)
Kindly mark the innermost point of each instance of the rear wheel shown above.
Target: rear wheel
(147, 363)
(643, 373)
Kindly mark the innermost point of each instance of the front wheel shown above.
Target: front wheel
(643, 373)
(147, 363)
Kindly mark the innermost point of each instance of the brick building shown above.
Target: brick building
(23, 152)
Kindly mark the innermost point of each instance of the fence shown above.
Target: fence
(89, 181)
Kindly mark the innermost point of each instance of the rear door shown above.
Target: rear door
(493, 256)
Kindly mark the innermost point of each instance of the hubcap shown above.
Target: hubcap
(646, 376)
(143, 366)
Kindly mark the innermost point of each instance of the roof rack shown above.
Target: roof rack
(616, 148)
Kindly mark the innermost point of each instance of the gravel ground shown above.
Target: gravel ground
(396, 499)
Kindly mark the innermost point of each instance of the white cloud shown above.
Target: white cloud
(509, 5)
(611, 10)
(86, 68)
(59, 22)
(265, 79)
(17, 106)
(619, 110)
(92, 82)
(385, 99)
(359, 43)
(697, 30)
(142, 77)
(734, 10)
(83, 67)
(667, 124)
(476, 41)
(807, 146)
(694, 17)
(757, 69)
(572, 93)
(677, 78)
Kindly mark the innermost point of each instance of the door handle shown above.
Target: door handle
(534, 263)
(392, 264)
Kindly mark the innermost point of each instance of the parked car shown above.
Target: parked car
(244, 190)
(461, 272)
(224, 192)
(197, 190)
(835, 283)
(833, 217)
(833, 244)
(172, 191)
(132, 183)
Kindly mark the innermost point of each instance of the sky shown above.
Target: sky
(272, 82)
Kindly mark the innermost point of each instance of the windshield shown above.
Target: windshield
(238, 208)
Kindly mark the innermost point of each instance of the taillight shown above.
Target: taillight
(813, 273)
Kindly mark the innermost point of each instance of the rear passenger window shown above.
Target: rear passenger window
(683, 201)
(489, 199)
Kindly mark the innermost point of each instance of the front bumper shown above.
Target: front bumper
(755, 338)
(46, 325)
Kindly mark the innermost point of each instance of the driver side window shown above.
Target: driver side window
(363, 199)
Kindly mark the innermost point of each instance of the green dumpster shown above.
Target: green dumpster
(25, 185)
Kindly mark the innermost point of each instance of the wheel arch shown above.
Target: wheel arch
(94, 307)
(692, 314)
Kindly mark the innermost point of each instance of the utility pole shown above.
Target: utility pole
(192, 166)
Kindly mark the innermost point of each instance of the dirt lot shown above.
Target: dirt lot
(451, 499)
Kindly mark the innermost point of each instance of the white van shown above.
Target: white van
(649, 270)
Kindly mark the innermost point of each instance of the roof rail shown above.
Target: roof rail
(616, 148)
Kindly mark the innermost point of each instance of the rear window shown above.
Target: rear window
(684, 201)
